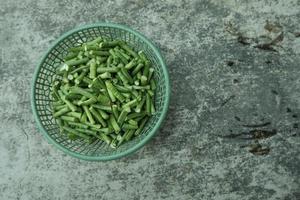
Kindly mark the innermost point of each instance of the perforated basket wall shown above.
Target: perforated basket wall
(45, 73)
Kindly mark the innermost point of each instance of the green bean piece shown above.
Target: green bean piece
(103, 99)
(94, 126)
(81, 76)
(130, 65)
(62, 68)
(136, 115)
(122, 77)
(114, 80)
(114, 124)
(121, 139)
(135, 93)
(115, 111)
(84, 47)
(152, 84)
(83, 98)
(74, 114)
(109, 60)
(89, 115)
(76, 49)
(69, 104)
(144, 80)
(126, 126)
(137, 69)
(133, 122)
(102, 107)
(97, 116)
(152, 109)
(87, 102)
(130, 103)
(60, 122)
(92, 47)
(70, 77)
(70, 56)
(73, 131)
(83, 118)
(97, 84)
(59, 107)
(54, 93)
(87, 80)
(105, 138)
(151, 71)
(120, 56)
(99, 53)
(122, 88)
(103, 114)
(127, 75)
(84, 92)
(124, 53)
(129, 50)
(137, 82)
(150, 92)
(139, 75)
(129, 134)
(110, 92)
(68, 118)
(93, 70)
(123, 115)
(140, 105)
(137, 87)
(80, 54)
(116, 61)
(75, 62)
(142, 125)
(105, 130)
(65, 89)
(146, 68)
(105, 75)
(126, 95)
(78, 69)
(100, 60)
(112, 53)
(87, 131)
(113, 92)
(142, 56)
(148, 104)
(61, 112)
(65, 77)
(72, 137)
(101, 70)
(95, 41)
(109, 43)
(78, 124)
(113, 143)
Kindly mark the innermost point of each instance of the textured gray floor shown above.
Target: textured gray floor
(187, 159)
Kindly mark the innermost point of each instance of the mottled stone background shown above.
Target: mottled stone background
(218, 84)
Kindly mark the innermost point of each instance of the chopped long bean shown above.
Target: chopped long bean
(114, 124)
(98, 116)
(75, 114)
(107, 69)
(61, 112)
(89, 115)
(68, 118)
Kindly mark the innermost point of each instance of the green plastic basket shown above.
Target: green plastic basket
(44, 74)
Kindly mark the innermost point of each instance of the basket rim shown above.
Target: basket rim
(152, 130)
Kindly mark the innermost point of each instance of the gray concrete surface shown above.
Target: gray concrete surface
(218, 85)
